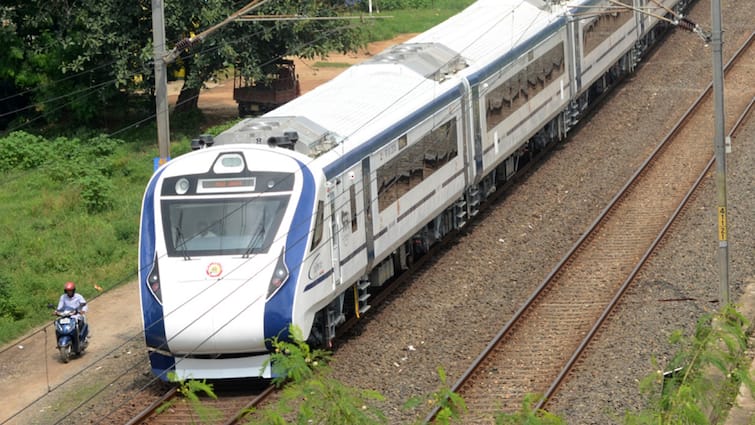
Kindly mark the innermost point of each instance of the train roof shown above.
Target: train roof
(341, 120)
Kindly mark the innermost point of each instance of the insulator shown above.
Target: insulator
(183, 44)
(687, 24)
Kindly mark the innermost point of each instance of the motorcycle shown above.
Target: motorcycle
(72, 336)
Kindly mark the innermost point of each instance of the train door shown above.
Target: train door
(348, 228)
(336, 227)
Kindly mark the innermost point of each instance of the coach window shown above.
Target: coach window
(317, 235)
(605, 24)
(416, 163)
(510, 95)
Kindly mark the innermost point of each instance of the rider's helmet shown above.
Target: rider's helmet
(69, 289)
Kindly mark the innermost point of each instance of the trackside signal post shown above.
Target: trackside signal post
(715, 39)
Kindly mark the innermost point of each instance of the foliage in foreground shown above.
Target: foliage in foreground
(450, 406)
(310, 395)
(704, 376)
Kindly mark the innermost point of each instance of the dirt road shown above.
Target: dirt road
(31, 367)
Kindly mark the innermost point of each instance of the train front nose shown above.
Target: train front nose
(212, 316)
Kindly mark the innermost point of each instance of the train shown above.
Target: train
(298, 216)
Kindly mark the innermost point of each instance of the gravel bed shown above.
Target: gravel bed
(452, 308)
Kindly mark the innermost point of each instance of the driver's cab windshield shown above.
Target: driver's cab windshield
(235, 226)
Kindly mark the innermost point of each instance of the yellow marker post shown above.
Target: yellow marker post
(721, 224)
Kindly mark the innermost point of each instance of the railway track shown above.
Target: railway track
(535, 350)
(232, 400)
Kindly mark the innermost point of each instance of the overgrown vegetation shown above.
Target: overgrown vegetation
(63, 219)
(704, 376)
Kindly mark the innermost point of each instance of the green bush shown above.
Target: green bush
(62, 219)
(23, 151)
(8, 307)
(703, 376)
(96, 192)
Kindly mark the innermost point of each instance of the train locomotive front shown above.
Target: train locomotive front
(224, 234)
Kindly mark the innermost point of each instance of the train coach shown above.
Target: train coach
(297, 216)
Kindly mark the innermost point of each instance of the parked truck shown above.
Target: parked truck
(258, 97)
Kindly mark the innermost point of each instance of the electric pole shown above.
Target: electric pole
(161, 81)
(162, 58)
(720, 149)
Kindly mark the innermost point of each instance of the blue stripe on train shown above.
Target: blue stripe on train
(152, 310)
(279, 309)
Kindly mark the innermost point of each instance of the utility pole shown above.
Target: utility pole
(162, 58)
(720, 149)
(161, 81)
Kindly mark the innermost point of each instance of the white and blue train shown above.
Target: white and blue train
(296, 216)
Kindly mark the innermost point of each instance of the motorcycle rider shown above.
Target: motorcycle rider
(70, 300)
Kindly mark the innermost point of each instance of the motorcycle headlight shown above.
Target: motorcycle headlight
(280, 275)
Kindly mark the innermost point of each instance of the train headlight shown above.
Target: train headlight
(280, 275)
(153, 281)
(182, 186)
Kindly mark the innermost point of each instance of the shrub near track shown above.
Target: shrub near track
(69, 211)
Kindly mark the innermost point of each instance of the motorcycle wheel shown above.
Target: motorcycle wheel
(65, 353)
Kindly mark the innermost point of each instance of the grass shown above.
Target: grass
(406, 21)
(331, 65)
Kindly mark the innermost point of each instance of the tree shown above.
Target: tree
(73, 55)
(253, 47)
(86, 61)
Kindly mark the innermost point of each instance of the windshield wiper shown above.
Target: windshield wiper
(258, 236)
(180, 240)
